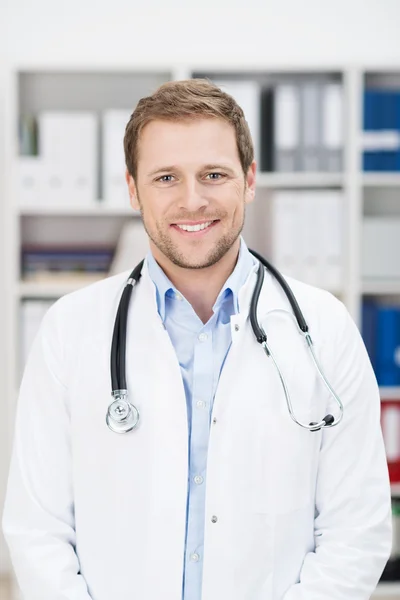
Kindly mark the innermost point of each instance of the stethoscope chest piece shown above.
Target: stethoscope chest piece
(122, 416)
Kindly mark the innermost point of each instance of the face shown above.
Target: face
(191, 190)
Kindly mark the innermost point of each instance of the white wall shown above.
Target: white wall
(280, 32)
(277, 31)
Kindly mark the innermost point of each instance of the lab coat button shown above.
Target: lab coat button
(214, 519)
(214, 420)
(194, 557)
(237, 327)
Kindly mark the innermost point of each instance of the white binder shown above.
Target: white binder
(287, 127)
(114, 187)
(310, 154)
(247, 94)
(285, 232)
(68, 145)
(331, 224)
(309, 236)
(332, 127)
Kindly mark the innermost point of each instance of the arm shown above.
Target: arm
(353, 505)
(38, 518)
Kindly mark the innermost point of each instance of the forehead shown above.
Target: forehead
(203, 139)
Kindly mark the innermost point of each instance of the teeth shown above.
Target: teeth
(195, 227)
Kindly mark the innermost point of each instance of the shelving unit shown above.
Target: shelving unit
(90, 86)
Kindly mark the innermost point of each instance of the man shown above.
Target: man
(217, 493)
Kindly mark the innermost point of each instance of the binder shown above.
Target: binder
(68, 145)
(309, 206)
(311, 124)
(388, 346)
(390, 422)
(331, 247)
(285, 232)
(30, 180)
(114, 187)
(370, 123)
(380, 247)
(267, 130)
(287, 127)
(247, 94)
(332, 127)
(397, 127)
(369, 329)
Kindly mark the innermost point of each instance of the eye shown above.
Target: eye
(163, 178)
(217, 177)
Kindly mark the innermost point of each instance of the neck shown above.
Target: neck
(200, 287)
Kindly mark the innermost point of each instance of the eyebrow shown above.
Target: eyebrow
(209, 167)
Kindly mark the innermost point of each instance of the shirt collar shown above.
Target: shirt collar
(233, 284)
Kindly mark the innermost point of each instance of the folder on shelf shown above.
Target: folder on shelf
(114, 187)
(309, 239)
(380, 248)
(332, 127)
(388, 346)
(30, 175)
(267, 134)
(68, 145)
(369, 329)
(310, 152)
(331, 246)
(247, 94)
(285, 214)
(287, 127)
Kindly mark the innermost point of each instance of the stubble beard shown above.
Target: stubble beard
(166, 246)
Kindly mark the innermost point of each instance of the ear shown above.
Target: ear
(132, 190)
(251, 183)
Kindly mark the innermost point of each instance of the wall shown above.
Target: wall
(278, 31)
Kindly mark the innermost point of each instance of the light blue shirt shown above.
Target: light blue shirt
(201, 350)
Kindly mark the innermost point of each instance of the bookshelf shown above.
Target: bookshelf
(92, 87)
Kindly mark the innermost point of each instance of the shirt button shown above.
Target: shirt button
(194, 557)
(200, 404)
(203, 337)
(198, 479)
(178, 297)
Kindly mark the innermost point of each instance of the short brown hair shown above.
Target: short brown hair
(187, 99)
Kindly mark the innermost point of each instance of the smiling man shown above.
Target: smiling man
(217, 493)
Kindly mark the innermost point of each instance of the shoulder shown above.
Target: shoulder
(78, 308)
(321, 309)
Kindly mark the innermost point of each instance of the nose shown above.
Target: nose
(192, 197)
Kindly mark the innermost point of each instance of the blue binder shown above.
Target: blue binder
(368, 329)
(388, 346)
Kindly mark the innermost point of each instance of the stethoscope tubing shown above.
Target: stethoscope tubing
(122, 416)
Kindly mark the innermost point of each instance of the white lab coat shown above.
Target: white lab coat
(94, 514)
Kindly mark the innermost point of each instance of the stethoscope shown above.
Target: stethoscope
(122, 416)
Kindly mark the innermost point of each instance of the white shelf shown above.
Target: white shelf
(381, 179)
(381, 286)
(95, 210)
(294, 180)
(389, 393)
(387, 590)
